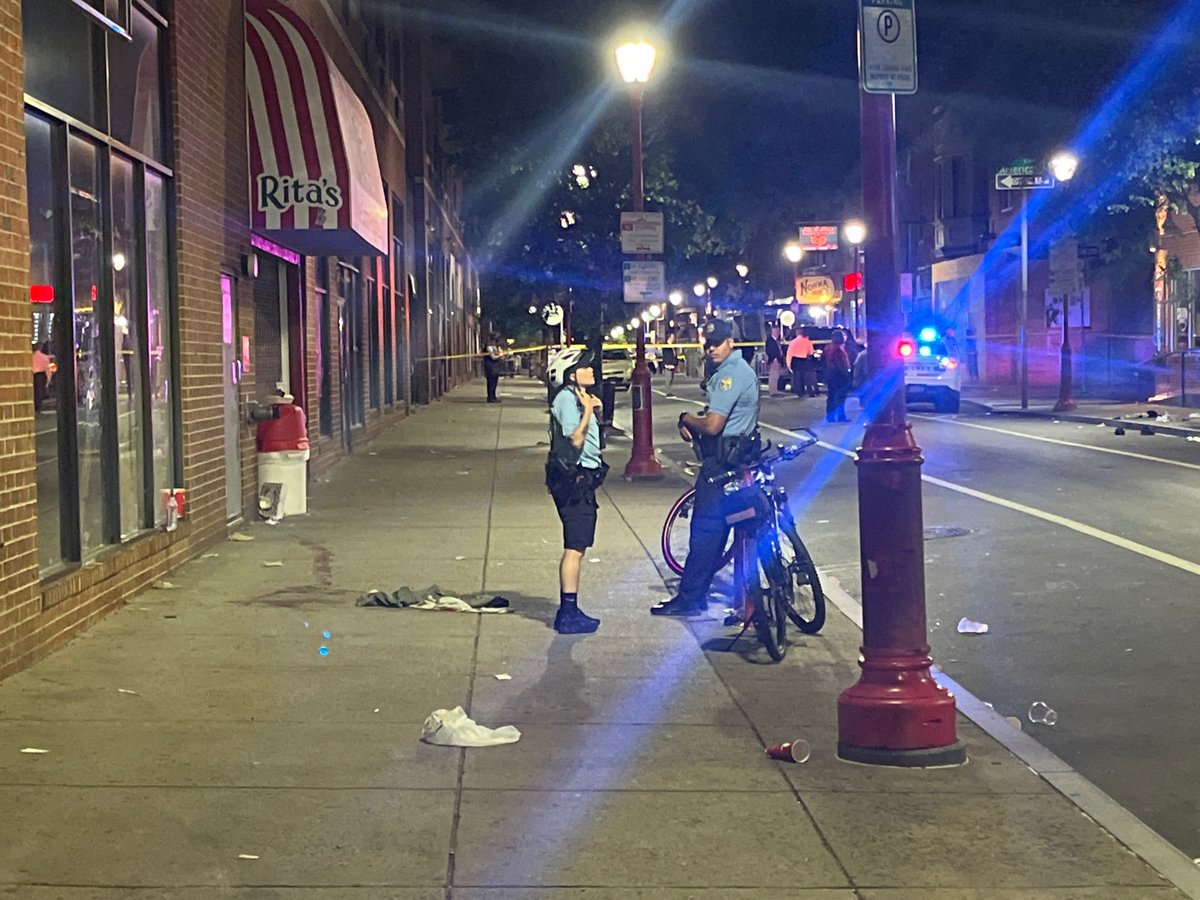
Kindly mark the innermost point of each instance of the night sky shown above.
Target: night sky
(760, 98)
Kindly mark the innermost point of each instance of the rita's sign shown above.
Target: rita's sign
(280, 192)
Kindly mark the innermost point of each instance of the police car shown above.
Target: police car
(931, 370)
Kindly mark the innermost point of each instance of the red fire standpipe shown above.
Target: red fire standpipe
(896, 714)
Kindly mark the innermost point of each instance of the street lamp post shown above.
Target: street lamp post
(635, 63)
(856, 233)
(1062, 167)
(896, 714)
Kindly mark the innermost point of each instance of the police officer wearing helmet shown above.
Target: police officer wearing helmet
(726, 435)
(574, 469)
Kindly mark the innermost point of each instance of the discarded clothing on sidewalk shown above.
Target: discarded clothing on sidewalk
(454, 728)
(433, 598)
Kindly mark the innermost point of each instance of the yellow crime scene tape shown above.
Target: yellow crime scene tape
(607, 346)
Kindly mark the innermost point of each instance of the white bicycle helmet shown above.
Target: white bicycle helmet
(563, 363)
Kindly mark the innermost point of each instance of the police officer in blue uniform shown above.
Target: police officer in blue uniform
(726, 435)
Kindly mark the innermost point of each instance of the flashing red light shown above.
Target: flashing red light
(41, 293)
(852, 281)
(906, 348)
(951, 363)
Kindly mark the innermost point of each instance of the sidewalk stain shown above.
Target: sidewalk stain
(322, 561)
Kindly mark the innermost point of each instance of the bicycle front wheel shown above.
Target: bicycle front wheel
(677, 532)
(775, 606)
(804, 598)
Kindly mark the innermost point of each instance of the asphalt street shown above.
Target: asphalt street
(1074, 545)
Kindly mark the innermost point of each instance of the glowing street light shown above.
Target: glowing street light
(711, 281)
(793, 252)
(533, 310)
(1063, 166)
(742, 269)
(635, 64)
(699, 289)
(856, 232)
(655, 310)
(675, 298)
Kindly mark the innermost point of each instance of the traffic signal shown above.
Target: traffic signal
(905, 348)
(852, 281)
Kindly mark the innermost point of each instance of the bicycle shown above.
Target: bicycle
(792, 580)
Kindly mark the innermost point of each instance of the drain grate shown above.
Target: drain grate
(935, 532)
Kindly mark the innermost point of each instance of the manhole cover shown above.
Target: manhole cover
(934, 532)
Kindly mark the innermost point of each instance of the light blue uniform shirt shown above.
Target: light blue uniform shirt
(733, 392)
(566, 413)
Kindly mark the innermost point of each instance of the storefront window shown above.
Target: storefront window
(99, 278)
(61, 53)
(135, 98)
(127, 347)
(159, 345)
(86, 248)
(43, 224)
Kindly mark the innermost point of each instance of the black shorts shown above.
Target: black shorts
(578, 518)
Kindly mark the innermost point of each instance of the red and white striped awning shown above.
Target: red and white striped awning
(315, 185)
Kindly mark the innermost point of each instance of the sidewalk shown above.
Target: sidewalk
(1169, 417)
(201, 723)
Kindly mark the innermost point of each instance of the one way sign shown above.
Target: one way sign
(1040, 181)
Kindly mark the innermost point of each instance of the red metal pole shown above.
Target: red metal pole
(896, 714)
(642, 461)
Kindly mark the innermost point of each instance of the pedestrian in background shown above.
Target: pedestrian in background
(43, 372)
(670, 360)
(574, 470)
(837, 378)
(801, 361)
(775, 362)
(493, 361)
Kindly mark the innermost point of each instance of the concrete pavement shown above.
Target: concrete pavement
(200, 724)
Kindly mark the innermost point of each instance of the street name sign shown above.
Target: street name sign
(645, 281)
(642, 232)
(887, 46)
(1023, 175)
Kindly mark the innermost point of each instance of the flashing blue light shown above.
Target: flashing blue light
(928, 333)
(924, 351)
(324, 651)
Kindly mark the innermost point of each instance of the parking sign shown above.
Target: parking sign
(887, 46)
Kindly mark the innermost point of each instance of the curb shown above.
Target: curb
(1141, 840)
(1169, 430)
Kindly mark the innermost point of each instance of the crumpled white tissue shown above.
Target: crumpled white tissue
(454, 728)
(966, 626)
(453, 604)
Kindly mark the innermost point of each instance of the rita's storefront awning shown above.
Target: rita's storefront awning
(315, 185)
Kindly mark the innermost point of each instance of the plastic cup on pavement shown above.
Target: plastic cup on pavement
(793, 751)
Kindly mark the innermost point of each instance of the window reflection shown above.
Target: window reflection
(158, 329)
(42, 255)
(127, 350)
(86, 250)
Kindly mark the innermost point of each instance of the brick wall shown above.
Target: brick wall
(20, 600)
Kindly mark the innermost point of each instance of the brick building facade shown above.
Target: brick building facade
(161, 311)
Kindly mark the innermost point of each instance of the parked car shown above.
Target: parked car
(617, 366)
(931, 370)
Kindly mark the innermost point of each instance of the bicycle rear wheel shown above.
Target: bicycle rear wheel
(804, 599)
(676, 535)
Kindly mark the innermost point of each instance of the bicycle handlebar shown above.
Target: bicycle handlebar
(782, 454)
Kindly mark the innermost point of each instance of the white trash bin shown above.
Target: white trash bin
(290, 469)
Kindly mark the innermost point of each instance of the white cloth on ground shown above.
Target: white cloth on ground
(454, 728)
